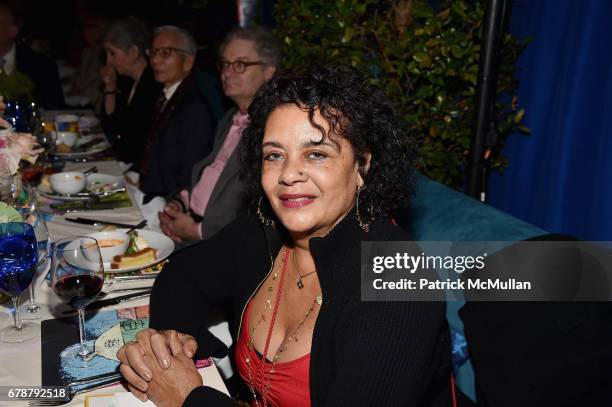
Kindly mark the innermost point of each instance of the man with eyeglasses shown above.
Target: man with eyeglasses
(182, 130)
(248, 58)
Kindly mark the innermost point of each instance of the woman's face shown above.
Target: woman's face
(310, 186)
(119, 59)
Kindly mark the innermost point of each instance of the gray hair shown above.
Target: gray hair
(188, 45)
(128, 32)
(266, 45)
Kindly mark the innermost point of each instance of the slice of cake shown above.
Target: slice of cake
(139, 258)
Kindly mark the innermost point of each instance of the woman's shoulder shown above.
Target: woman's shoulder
(385, 229)
(244, 231)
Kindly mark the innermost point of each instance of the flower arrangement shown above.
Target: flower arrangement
(15, 147)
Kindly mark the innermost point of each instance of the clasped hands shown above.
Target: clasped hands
(177, 224)
(159, 366)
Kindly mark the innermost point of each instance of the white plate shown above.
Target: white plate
(162, 243)
(98, 148)
(88, 122)
(117, 182)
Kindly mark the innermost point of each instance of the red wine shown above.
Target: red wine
(79, 290)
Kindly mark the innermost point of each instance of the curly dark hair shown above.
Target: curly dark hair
(354, 110)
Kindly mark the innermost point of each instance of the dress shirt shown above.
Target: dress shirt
(202, 191)
(9, 61)
(169, 91)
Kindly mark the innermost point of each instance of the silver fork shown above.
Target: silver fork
(79, 387)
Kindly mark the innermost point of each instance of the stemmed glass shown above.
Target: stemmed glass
(37, 220)
(8, 189)
(18, 259)
(31, 215)
(77, 276)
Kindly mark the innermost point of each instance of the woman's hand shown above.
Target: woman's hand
(170, 387)
(151, 352)
(109, 78)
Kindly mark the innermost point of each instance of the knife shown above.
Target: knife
(86, 221)
(113, 301)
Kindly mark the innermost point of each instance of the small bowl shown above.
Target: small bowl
(67, 122)
(111, 243)
(66, 137)
(68, 182)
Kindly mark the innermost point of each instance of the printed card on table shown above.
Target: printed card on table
(106, 332)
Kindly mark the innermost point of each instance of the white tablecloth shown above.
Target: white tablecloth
(20, 364)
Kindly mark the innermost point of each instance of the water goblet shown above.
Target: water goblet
(18, 260)
(37, 220)
(77, 276)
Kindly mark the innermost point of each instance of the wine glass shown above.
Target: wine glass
(8, 189)
(18, 259)
(37, 220)
(77, 276)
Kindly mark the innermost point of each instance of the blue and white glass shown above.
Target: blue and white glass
(18, 262)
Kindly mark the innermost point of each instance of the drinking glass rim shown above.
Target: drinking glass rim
(27, 226)
(67, 240)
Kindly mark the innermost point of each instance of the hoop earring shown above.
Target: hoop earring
(365, 226)
(265, 221)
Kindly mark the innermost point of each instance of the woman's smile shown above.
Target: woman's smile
(296, 200)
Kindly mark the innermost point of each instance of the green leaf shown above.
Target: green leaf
(422, 58)
(456, 51)
(519, 116)
(422, 10)
(459, 8)
(524, 129)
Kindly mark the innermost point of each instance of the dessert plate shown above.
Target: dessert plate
(162, 243)
(98, 185)
(103, 145)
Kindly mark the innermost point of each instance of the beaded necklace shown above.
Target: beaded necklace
(292, 337)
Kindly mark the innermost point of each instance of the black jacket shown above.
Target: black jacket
(181, 136)
(129, 125)
(363, 353)
(42, 71)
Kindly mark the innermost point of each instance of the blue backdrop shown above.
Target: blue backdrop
(560, 176)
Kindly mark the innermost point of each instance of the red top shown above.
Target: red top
(289, 384)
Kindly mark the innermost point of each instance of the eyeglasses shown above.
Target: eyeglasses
(237, 66)
(163, 52)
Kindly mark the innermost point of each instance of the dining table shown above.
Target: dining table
(21, 363)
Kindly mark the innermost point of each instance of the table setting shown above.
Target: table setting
(77, 263)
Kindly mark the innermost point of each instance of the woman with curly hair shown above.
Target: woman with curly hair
(327, 163)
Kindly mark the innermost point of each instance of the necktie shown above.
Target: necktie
(158, 120)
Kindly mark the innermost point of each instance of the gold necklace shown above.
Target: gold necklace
(299, 283)
(292, 337)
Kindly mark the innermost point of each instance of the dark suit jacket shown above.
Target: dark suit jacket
(541, 353)
(182, 135)
(43, 72)
(130, 124)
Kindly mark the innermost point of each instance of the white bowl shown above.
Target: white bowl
(68, 138)
(68, 182)
(108, 250)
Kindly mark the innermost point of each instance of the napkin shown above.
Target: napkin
(150, 209)
(125, 399)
